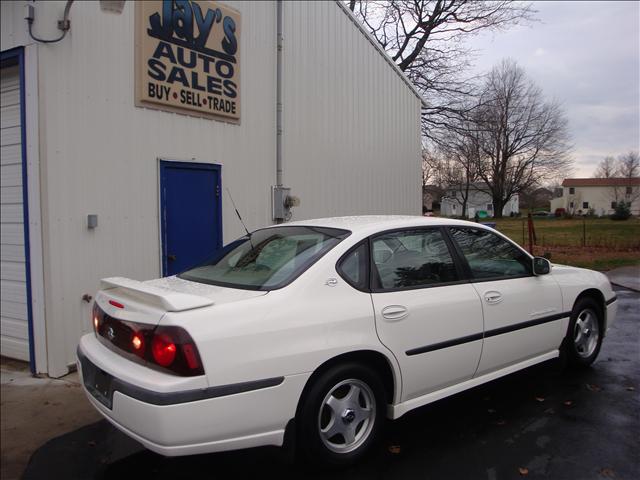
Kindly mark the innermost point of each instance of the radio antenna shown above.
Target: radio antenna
(238, 213)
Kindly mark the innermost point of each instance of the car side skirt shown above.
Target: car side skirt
(396, 411)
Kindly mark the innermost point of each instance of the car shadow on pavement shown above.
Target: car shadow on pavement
(544, 422)
(492, 431)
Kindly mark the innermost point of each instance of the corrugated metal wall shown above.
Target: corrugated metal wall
(100, 156)
(351, 142)
(351, 125)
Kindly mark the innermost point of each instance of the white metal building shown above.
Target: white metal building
(105, 172)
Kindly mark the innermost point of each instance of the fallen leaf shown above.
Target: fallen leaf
(540, 399)
(593, 388)
(568, 403)
(491, 410)
(630, 389)
(523, 471)
(395, 449)
(607, 472)
(501, 422)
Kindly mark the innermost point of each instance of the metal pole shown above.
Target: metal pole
(279, 42)
(530, 224)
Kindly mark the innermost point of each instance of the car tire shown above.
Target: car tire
(341, 415)
(584, 334)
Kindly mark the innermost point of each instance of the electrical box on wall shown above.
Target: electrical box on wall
(282, 202)
(278, 202)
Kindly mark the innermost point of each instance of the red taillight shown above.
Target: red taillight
(168, 348)
(163, 349)
(191, 356)
(96, 317)
(116, 304)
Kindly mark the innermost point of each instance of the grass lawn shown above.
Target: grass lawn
(597, 243)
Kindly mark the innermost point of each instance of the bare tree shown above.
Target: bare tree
(434, 169)
(523, 139)
(607, 168)
(462, 150)
(425, 38)
(629, 165)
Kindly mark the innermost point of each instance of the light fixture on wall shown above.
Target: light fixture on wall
(111, 6)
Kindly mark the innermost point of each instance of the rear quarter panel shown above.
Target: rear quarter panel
(286, 332)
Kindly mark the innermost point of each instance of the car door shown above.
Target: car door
(522, 311)
(425, 313)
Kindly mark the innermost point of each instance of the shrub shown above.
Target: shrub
(623, 211)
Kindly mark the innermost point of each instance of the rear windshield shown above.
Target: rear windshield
(267, 259)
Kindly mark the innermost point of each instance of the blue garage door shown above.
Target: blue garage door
(191, 214)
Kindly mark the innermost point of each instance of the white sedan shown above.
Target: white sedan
(319, 330)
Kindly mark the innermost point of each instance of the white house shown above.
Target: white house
(123, 133)
(597, 195)
(478, 200)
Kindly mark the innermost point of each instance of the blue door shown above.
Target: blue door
(191, 214)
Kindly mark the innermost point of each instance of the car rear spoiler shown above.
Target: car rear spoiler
(169, 300)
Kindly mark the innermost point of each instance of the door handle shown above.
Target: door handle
(492, 297)
(395, 312)
(171, 258)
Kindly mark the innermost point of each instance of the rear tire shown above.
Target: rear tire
(584, 335)
(341, 415)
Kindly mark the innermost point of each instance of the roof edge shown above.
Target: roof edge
(381, 51)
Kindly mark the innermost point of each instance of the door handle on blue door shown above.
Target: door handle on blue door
(171, 258)
(395, 312)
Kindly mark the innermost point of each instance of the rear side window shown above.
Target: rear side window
(411, 259)
(490, 256)
(354, 265)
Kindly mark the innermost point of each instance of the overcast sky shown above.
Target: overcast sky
(587, 55)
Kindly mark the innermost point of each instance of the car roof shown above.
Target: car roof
(369, 223)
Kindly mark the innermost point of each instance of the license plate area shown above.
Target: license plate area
(97, 382)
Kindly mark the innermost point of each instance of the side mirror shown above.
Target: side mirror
(541, 266)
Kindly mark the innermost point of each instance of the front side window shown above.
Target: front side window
(267, 259)
(411, 259)
(490, 256)
(572, 191)
(614, 204)
(629, 190)
(585, 204)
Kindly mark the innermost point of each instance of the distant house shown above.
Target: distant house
(598, 196)
(479, 200)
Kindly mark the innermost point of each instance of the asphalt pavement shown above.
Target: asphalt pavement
(544, 422)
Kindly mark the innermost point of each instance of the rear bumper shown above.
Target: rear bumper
(174, 423)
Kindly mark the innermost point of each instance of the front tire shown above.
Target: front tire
(585, 333)
(341, 415)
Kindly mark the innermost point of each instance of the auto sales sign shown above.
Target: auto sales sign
(187, 58)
